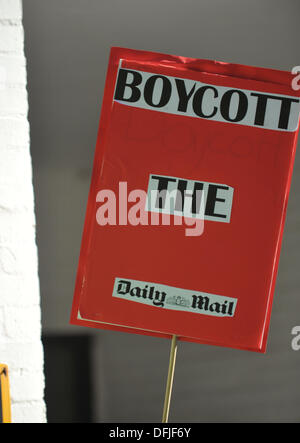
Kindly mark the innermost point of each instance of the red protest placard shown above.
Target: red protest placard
(188, 197)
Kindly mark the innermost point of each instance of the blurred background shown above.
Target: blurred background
(102, 376)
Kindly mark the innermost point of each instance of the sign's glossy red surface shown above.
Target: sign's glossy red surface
(220, 139)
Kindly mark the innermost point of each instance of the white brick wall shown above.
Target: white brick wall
(20, 322)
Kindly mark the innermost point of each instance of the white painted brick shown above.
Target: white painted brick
(13, 102)
(25, 244)
(26, 385)
(10, 9)
(12, 38)
(13, 200)
(14, 132)
(18, 291)
(18, 259)
(20, 315)
(12, 71)
(20, 356)
(2, 326)
(15, 167)
(29, 412)
(17, 254)
(16, 228)
(8, 260)
(22, 324)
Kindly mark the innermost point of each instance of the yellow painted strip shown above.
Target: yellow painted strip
(5, 396)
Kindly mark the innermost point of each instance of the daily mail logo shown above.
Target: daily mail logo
(206, 101)
(168, 297)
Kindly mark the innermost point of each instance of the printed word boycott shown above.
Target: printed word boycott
(206, 101)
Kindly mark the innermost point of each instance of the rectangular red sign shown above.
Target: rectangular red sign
(188, 197)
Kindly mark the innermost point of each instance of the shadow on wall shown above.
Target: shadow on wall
(68, 392)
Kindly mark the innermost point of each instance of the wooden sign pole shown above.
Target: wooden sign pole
(170, 379)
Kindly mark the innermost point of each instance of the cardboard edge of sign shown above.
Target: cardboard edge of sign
(77, 320)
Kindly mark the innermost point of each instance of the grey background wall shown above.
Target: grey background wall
(67, 47)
